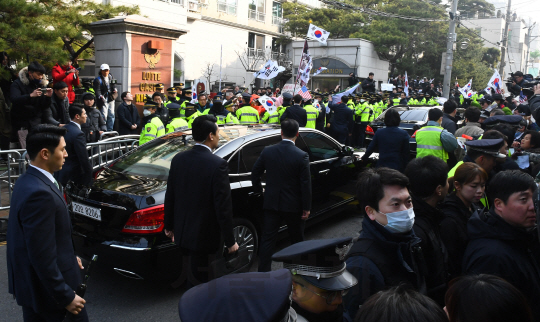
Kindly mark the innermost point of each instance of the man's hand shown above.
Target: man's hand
(37, 92)
(134, 126)
(79, 262)
(100, 132)
(233, 248)
(49, 92)
(537, 89)
(170, 234)
(305, 214)
(516, 144)
(76, 305)
(61, 125)
(70, 71)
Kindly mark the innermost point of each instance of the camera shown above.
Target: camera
(44, 89)
(527, 87)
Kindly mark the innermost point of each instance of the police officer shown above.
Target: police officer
(247, 114)
(176, 122)
(312, 114)
(263, 297)
(160, 88)
(190, 113)
(187, 94)
(320, 278)
(361, 120)
(222, 115)
(433, 139)
(162, 111)
(321, 108)
(171, 96)
(287, 100)
(152, 125)
(483, 152)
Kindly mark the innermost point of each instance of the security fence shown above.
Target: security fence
(15, 162)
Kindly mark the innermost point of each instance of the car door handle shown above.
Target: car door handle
(324, 171)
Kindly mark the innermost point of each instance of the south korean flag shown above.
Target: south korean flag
(318, 34)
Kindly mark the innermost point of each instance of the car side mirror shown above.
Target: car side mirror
(347, 151)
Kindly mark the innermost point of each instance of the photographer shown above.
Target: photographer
(517, 83)
(30, 99)
(69, 75)
(106, 93)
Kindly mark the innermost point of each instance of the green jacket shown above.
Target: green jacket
(177, 124)
(154, 128)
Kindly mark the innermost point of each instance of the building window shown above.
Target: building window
(257, 10)
(180, 2)
(227, 6)
(255, 45)
(277, 13)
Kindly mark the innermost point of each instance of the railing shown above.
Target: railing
(255, 15)
(252, 52)
(100, 153)
(277, 21)
(180, 2)
(229, 9)
(194, 6)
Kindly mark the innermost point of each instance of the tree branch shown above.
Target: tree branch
(83, 48)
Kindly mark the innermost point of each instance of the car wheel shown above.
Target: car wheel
(246, 237)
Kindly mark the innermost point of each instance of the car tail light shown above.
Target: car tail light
(146, 221)
(369, 130)
(414, 134)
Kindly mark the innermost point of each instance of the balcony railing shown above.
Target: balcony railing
(194, 6)
(255, 15)
(229, 9)
(277, 21)
(180, 2)
(253, 52)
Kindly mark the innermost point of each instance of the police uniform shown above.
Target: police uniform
(312, 114)
(185, 102)
(170, 99)
(428, 142)
(176, 123)
(153, 126)
(189, 113)
(160, 87)
(263, 297)
(222, 115)
(320, 263)
(247, 115)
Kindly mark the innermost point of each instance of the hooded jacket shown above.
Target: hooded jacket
(27, 111)
(94, 122)
(58, 112)
(454, 231)
(426, 227)
(495, 247)
(380, 259)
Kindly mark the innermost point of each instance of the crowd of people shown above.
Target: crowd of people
(450, 235)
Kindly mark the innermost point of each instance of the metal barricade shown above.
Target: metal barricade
(104, 151)
(14, 167)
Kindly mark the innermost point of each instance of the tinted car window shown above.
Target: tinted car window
(251, 152)
(413, 115)
(321, 147)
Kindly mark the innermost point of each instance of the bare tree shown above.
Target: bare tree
(208, 72)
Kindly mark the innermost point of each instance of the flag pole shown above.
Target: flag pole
(298, 73)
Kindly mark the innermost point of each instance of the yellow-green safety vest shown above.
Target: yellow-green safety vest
(428, 142)
(247, 115)
(177, 124)
(312, 114)
(152, 130)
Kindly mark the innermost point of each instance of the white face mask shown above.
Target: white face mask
(400, 221)
(146, 112)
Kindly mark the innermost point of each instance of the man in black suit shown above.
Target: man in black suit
(295, 112)
(288, 190)
(343, 119)
(77, 167)
(198, 206)
(43, 271)
(128, 115)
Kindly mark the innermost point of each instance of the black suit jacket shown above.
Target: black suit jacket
(42, 267)
(126, 118)
(297, 113)
(198, 205)
(288, 179)
(343, 117)
(77, 166)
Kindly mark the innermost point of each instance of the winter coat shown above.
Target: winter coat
(449, 123)
(128, 116)
(495, 247)
(58, 112)
(94, 122)
(393, 259)
(368, 85)
(26, 111)
(473, 129)
(454, 231)
(392, 143)
(59, 75)
(427, 227)
(101, 89)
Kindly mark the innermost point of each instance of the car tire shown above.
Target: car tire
(246, 236)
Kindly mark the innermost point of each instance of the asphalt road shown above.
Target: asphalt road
(111, 297)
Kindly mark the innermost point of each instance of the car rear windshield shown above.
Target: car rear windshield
(409, 115)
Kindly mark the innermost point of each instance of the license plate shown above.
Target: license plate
(91, 212)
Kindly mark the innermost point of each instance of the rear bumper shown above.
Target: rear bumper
(163, 262)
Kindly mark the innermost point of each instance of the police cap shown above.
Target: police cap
(287, 96)
(150, 104)
(507, 119)
(486, 99)
(484, 114)
(524, 110)
(246, 96)
(497, 97)
(160, 86)
(173, 106)
(187, 90)
(320, 262)
(239, 297)
(487, 146)
(217, 101)
(171, 90)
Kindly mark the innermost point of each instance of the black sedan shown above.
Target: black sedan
(412, 119)
(120, 217)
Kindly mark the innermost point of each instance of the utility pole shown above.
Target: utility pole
(505, 40)
(450, 50)
(528, 41)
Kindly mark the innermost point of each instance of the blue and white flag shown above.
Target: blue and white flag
(336, 99)
(318, 34)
